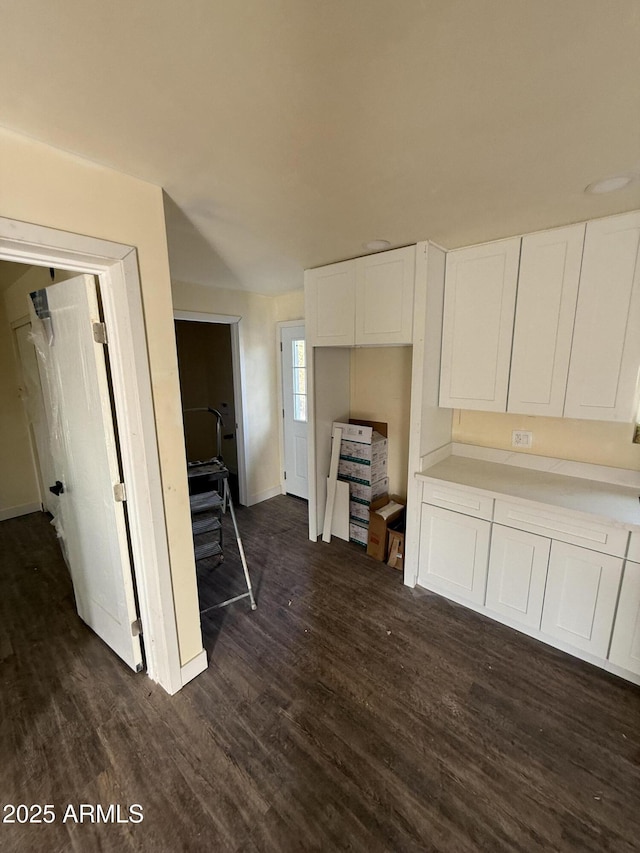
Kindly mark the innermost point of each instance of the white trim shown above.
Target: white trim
(264, 496)
(17, 511)
(196, 665)
(238, 371)
(203, 317)
(117, 268)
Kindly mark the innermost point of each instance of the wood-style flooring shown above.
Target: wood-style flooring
(347, 713)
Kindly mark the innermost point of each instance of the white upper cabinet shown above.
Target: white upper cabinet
(479, 307)
(364, 301)
(330, 305)
(547, 293)
(384, 297)
(605, 357)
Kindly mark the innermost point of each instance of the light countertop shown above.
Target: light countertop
(610, 502)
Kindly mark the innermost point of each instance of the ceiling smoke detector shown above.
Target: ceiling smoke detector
(610, 185)
(376, 245)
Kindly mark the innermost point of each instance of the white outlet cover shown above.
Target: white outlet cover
(522, 439)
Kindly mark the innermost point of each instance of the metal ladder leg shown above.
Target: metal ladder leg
(227, 498)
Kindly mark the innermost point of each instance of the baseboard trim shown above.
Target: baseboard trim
(264, 496)
(16, 511)
(195, 666)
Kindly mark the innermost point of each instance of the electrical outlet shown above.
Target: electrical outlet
(521, 438)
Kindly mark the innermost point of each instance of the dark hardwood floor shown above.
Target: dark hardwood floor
(347, 713)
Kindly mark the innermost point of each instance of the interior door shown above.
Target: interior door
(90, 520)
(294, 396)
(31, 393)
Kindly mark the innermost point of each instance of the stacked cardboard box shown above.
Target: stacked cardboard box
(363, 464)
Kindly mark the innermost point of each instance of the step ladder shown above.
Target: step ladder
(207, 509)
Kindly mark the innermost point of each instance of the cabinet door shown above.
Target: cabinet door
(605, 355)
(545, 311)
(384, 297)
(580, 598)
(625, 643)
(517, 575)
(330, 304)
(454, 550)
(479, 305)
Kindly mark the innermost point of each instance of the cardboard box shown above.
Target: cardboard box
(358, 533)
(396, 550)
(359, 512)
(368, 452)
(378, 525)
(362, 472)
(365, 493)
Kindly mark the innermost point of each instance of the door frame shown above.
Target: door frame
(284, 324)
(116, 267)
(237, 368)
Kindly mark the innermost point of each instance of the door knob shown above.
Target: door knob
(58, 489)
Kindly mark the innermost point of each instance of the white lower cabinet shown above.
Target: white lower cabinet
(454, 551)
(580, 598)
(517, 575)
(625, 643)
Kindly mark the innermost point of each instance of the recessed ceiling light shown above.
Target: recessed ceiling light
(376, 245)
(610, 185)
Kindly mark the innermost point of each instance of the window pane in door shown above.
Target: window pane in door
(300, 407)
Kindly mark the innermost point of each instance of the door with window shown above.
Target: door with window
(294, 396)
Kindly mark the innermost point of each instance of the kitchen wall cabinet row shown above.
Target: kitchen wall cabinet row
(547, 324)
(364, 301)
(538, 570)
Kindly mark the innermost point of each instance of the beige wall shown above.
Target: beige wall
(562, 438)
(48, 187)
(381, 391)
(258, 354)
(289, 306)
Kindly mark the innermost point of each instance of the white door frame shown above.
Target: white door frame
(237, 367)
(116, 266)
(282, 324)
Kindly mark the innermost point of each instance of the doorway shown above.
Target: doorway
(293, 371)
(116, 267)
(209, 364)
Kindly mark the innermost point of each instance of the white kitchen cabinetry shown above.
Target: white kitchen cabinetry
(547, 293)
(366, 301)
(605, 356)
(517, 575)
(580, 598)
(625, 643)
(384, 297)
(330, 305)
(479, 306)
(454, 550)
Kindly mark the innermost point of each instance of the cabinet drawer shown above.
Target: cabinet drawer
(557, 525)
(634, 548)
(459, 499)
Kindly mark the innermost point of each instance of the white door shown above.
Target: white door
(31, 393)
(295, 411)
(89, 519)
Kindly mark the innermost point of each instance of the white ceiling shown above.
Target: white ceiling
(286, 133)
